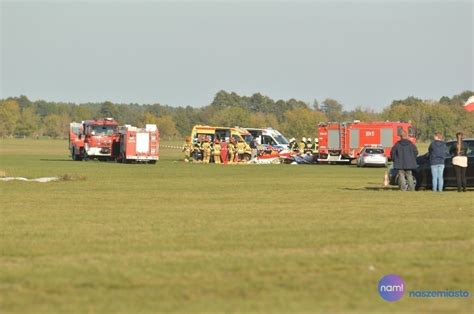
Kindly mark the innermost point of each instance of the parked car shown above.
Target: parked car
(423, 172)
(372, 156)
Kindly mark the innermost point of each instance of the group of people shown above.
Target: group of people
(305, 146)
(404, 154)
(205, 150)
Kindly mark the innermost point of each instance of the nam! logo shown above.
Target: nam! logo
(391, 287)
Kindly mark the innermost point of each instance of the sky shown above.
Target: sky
(180, 53)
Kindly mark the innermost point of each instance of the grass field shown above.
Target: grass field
(207, 238)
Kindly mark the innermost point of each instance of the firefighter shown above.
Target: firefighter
(217, 151)
(236, 155)
(187, 149)
(292, 143)
(302, 146)
(206, 150)
(200, 141)
(231, 150)
(309, 146)
(316, 146)
(224, 151)
(240, 150)
(197, 155)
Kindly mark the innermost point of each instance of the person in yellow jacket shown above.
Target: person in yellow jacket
(231, 151)
(316, 146)
(187, 149)
(206, 150)
(241, 149)
(302, 146)
(217, 151)
(309, 146)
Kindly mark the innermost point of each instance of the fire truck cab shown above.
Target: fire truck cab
(93, 139)
(342, 142)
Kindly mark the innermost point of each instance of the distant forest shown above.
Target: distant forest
(20, 117)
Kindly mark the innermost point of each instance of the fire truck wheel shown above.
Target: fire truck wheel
(247, 157)
(152, 162)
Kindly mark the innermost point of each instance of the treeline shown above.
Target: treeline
(20, 117)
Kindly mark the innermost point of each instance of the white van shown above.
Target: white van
(269, 137)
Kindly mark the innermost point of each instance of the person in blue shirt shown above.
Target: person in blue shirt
(437, 153)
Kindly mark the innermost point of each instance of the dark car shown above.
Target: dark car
(423, 172)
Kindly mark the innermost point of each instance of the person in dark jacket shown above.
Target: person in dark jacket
(437, 153)
(253, 148)
(403, 155)
(459, 151)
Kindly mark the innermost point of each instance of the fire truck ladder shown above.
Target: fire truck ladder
(342, 145)
(342, 136)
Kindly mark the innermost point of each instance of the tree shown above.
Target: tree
(165, 124)
(231, 116)
(108, 110)
(29, 123)
(56, 126)
(316, 105)
(260, 103)
(185, 119)
(363, 114)
(80, 113)
(302, 122)
(332, 109)
(261, 120)
(224, 99)
(9, 116)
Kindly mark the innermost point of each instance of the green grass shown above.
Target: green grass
(207, 238)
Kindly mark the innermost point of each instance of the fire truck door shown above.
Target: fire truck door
(355, 138)
(143, 142)
(386, 137)
(333, 139)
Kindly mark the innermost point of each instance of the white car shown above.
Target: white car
(372, 156)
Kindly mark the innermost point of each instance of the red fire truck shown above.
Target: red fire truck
(105, 140)
(139, 144)
(342, 142)
(93, 139)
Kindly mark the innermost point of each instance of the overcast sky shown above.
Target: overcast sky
(181, 53)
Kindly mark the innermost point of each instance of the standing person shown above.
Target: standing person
(316, 146)
(236, 153)
(459, 153)
(309, 146)
(253, 148)
(240, 149)
(231, 150)
(201, 140)
(187, 149)
(302, 146)
(217, 151)
(206, 151)
(292, 144)
(224, 151)
(437, 152)
(404, 154)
